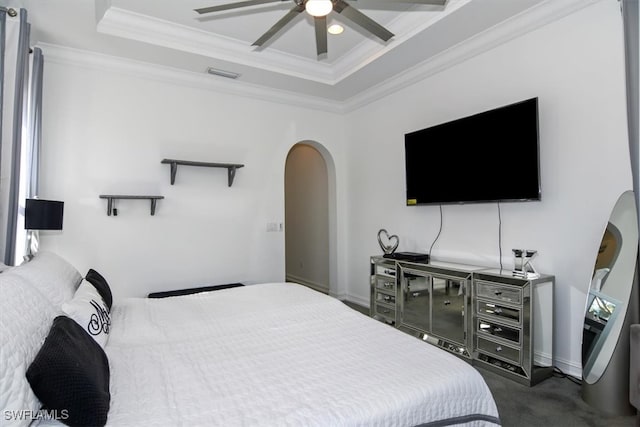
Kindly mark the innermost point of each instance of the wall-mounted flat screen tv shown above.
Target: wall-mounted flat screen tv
(488, 157)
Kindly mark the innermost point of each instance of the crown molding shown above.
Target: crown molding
(143, 70)
(517, 26)
(365, 53)
(135, 26)
(530, 20)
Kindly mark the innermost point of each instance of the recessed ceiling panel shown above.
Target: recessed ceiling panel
(247, 24)
(171, 34)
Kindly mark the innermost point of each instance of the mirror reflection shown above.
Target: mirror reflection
(601, 309)
(610, 288)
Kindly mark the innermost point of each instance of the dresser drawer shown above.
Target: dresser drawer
(385, 298)
(499, 350)
(499, 311)
(386, 284)
(505, 332)
(388, 270)
(499, 292)
(386, 312)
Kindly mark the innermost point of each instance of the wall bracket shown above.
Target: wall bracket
(231, 167)
(111, 197)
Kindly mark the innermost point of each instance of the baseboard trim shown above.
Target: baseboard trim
(542, 359)
(356, 300)
(569, 367)
(309, 283)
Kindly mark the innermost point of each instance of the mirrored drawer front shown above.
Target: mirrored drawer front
(500, 331)
(382, 297)
(497, 310)
(498, 292)
(386, 312)
(418, 293)
(499, 350)
(386, 284)
(386, 270)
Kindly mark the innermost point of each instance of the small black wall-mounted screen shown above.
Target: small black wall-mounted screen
(43, 214)
(488, 157)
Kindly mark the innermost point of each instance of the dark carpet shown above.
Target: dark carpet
(554, 402)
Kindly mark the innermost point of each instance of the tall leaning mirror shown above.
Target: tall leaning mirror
(605, 339)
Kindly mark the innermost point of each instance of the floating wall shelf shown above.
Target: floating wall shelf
(111, 197)
(231, 167)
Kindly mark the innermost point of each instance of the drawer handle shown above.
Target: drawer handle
(498, 293)
(387, 311)
(497, 311)
(498, 329)
(447, 302)
(498, 348)
(416, 294)
(387, 285)
(387, 297)
(389, 272)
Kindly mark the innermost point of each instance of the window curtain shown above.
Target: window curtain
(20, 129)
(631, 20)
(29, 181)
(630, 17)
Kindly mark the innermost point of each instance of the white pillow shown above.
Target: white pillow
(25, 319)
(3, 267)
(52, 275)
(89, 311)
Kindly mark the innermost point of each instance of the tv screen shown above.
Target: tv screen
(488, 157)
(42, 214)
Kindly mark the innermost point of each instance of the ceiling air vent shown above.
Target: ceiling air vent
(223, 73)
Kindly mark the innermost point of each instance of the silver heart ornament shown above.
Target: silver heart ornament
(391, 244)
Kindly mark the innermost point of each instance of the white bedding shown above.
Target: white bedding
(279, 355)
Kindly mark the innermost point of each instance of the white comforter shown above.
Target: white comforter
(279, 355)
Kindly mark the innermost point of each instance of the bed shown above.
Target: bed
(274, 354)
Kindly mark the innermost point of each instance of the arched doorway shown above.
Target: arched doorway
(307, 217)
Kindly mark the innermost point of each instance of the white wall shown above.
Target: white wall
(575, 67)
(106, 132)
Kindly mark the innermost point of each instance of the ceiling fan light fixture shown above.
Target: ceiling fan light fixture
(318, 8)
(335, 29)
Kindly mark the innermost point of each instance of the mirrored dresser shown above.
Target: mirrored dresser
(383, 290)
(485, 316)
(435, 304)
(513, 325)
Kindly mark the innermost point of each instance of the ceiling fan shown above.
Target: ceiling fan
(319, 9)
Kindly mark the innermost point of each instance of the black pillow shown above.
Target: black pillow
(101, 285)
(70, 374)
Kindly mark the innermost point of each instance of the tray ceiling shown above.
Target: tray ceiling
(170, 34)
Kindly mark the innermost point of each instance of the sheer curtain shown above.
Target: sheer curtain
(31, 153)
(631, 20)
(20, 102)
(630, 16)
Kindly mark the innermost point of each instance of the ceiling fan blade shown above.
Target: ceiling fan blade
(321, 34)
(426, 2)
(357, 17)
(279, 25)
(229, 6)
